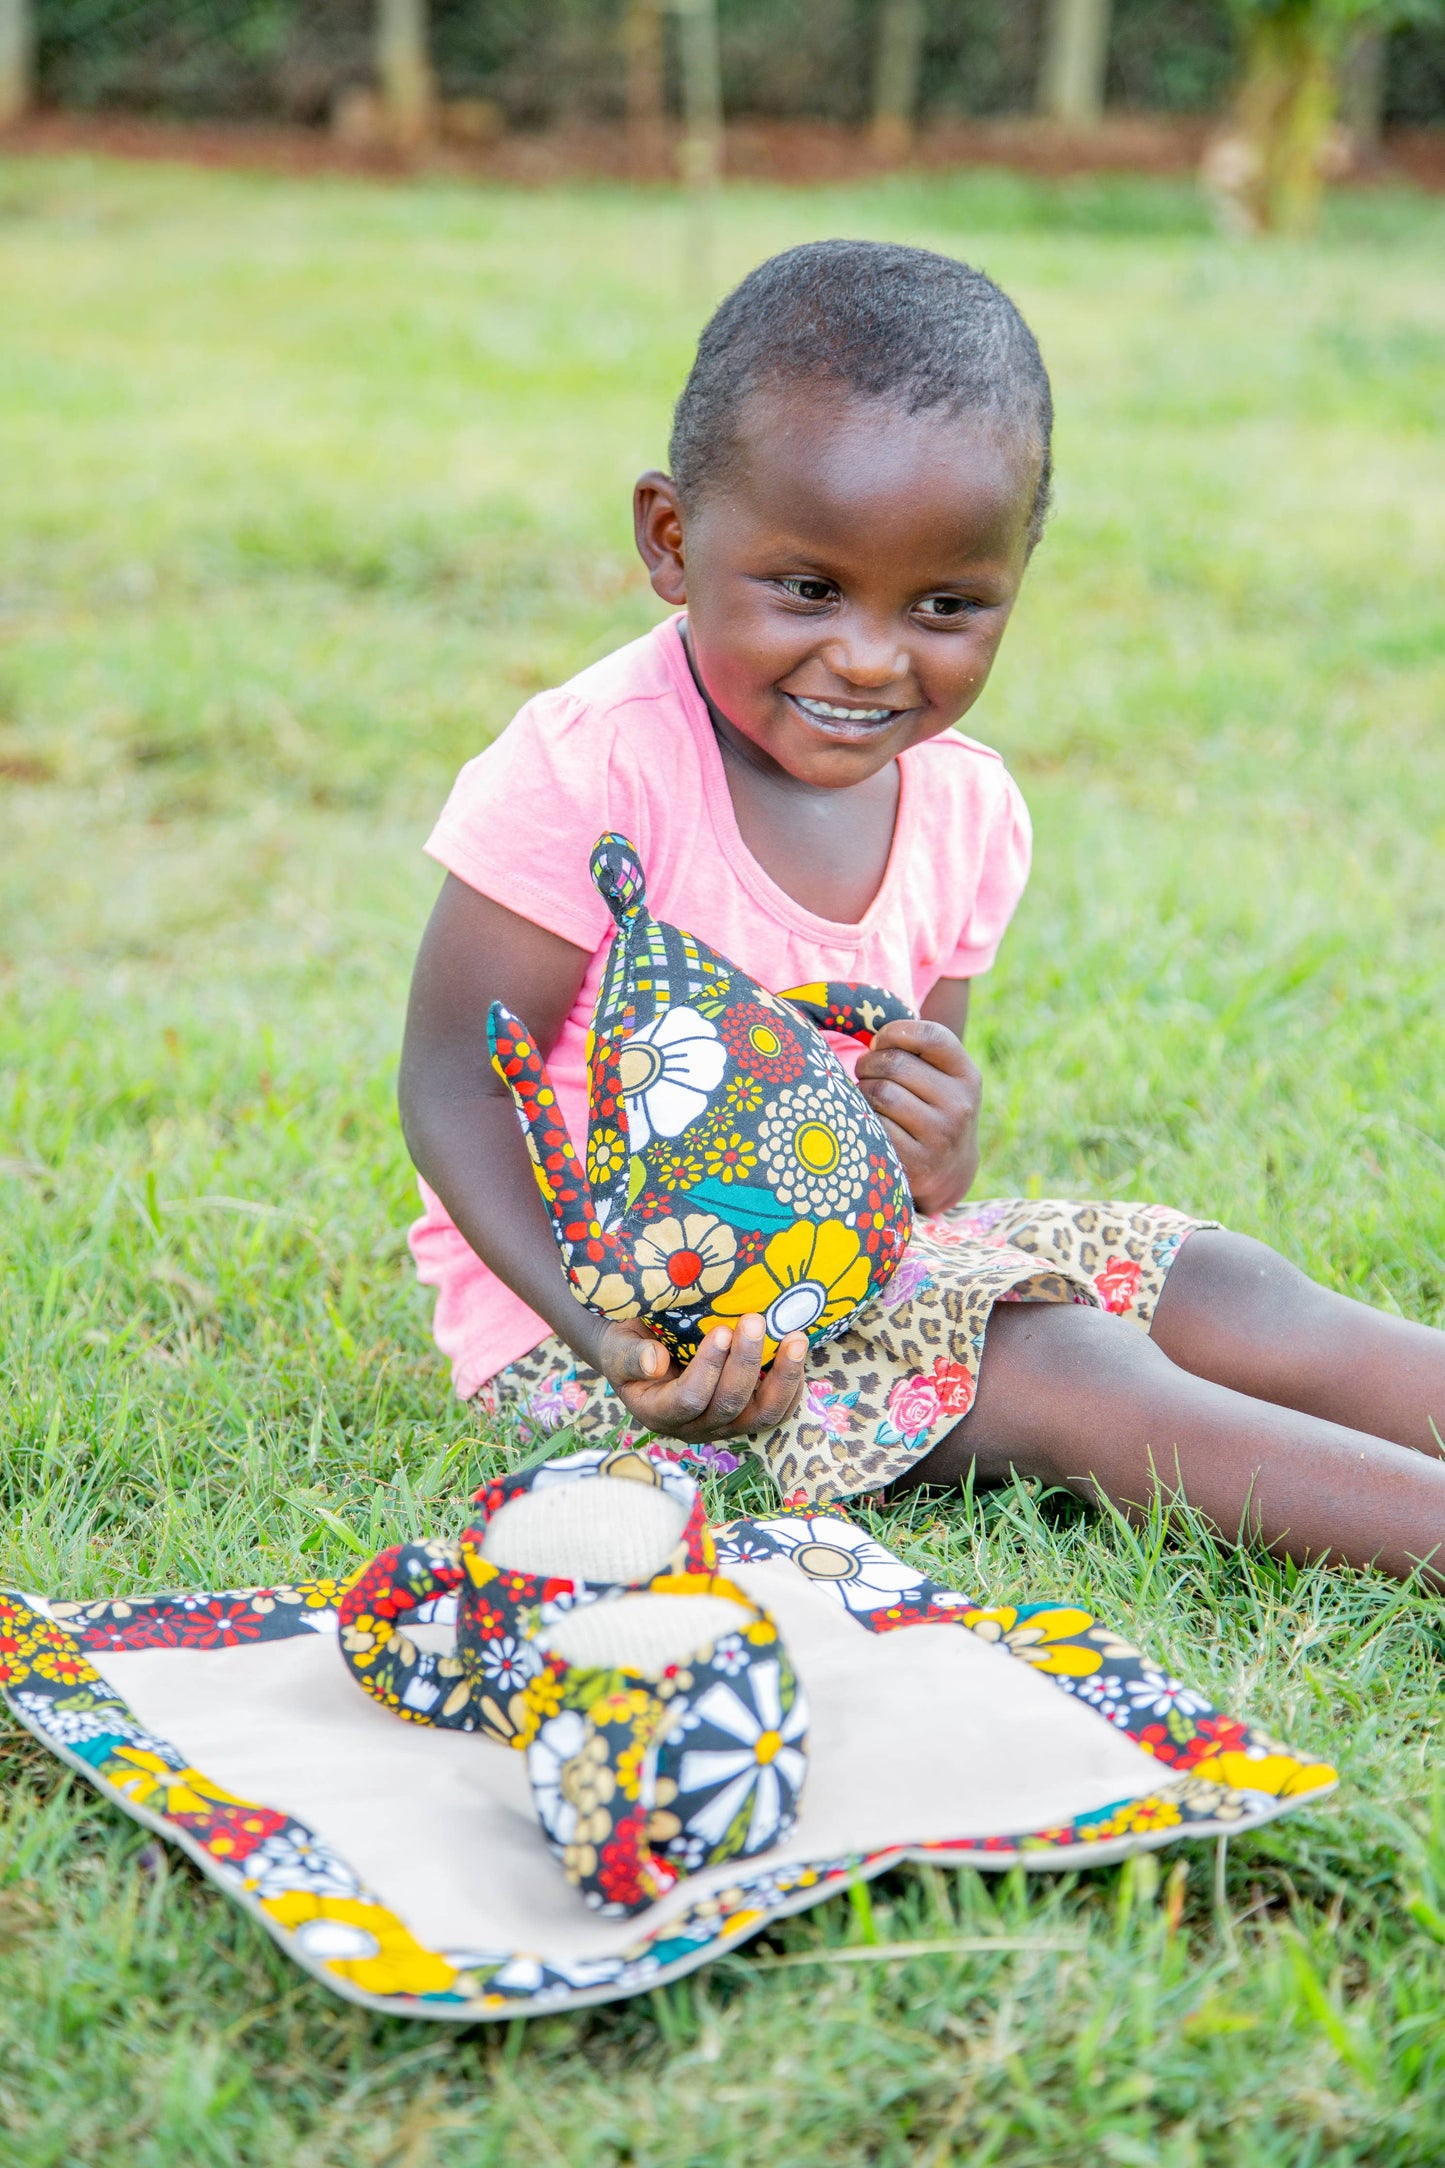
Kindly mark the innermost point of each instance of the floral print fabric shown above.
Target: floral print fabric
(731, 1163)
(640, 1778)
(903, 1372)
(1219, 1776)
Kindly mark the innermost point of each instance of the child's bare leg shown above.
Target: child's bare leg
(1090, 1402)
(1236, 1312)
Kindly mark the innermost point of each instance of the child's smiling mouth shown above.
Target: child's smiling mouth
(840, 720)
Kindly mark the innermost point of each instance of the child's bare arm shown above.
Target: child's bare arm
(462, 1133)
(926, 1092)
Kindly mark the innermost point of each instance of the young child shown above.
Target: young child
(860, 471)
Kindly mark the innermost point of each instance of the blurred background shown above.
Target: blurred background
(786, 88)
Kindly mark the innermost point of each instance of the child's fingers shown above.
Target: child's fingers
(691, 1395)
(781, 1388)
(900, 1110)
(933, 1044)
(635, 1357)
(738, 1378)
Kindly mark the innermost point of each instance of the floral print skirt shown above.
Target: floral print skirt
(887, 1390)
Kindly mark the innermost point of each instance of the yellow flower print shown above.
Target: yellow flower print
(1280, 1775)
(1036, 1639)
(729, 1156)
(150, 1782)
(745, 1094)
(540, 1698)
(807, 1278)
(683, 1260)
(360, 1942)
(606, 1156)
(1135, 1819)
(606, 1292)
(675, 1169)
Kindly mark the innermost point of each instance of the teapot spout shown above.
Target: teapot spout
(590, 1254)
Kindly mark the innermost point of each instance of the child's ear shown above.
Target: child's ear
(657, 525)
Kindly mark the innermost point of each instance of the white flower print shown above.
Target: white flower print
(73, 1727)
(606, 1292)
(859, 1572)
(669, 1072)
(812, 1154)
(684, 1260)
(730, 1656)
(1157, 1693)
(765, 1764)
(294, 1859)
(559, 1740)
(509, 1663)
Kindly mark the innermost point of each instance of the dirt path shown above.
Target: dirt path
(785, 151)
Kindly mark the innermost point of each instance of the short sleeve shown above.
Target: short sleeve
(523, 816)
(1005, 855)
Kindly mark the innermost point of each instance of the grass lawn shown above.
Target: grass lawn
(303, 488)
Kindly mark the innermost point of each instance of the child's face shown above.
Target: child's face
(848, 586)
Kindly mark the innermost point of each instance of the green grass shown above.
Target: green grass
(302, 489)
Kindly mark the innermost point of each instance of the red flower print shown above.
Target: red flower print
(913, 1405)
(620, 1867)
(233, 1832)
(220, 1624)
(762, 1043)
(953, 1384)
(1118, 1284)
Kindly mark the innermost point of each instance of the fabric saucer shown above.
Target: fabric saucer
(405, 1868)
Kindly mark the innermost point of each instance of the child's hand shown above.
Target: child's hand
(720, 1394)
(926, 1092)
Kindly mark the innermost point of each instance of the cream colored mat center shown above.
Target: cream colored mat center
(932, 1733)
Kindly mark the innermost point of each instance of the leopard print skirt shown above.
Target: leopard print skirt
(881, 1395)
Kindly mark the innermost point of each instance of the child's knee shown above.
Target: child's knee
(1040, 1360)
(1229, 1284)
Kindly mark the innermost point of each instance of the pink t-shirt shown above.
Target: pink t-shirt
(627, 745)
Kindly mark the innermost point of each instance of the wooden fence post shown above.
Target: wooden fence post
(897, 75)
(17, 59)
(404, 71)
(1075, 57)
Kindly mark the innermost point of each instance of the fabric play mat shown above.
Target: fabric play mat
(404, 1867)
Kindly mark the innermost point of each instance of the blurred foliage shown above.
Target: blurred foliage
(547, 60)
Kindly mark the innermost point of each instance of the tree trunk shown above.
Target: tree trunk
(17, 53)
(1362, 91)
(403, 68)
(702, 141)
(899, 70)
(1075, 60)
(642, 35)
(1287, 102)
(702, 133)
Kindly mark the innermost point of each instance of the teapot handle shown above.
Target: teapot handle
(415, 1684)
(857, 1011)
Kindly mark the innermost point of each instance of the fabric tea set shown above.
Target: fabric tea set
(648, 1689)
(662, 1722)
(731, 1167)
(617, 1694)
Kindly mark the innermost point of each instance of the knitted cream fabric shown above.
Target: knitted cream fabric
(605, 1529)
(643, 1632)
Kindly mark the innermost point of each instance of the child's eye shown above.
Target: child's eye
(806, 590)
(943, 609)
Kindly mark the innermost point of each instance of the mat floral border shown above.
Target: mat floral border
(1224, 1775)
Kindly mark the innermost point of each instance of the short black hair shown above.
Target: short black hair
(875, 318)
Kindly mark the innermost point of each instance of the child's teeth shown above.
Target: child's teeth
(845, 715)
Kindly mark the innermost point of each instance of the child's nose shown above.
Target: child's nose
(867, 659)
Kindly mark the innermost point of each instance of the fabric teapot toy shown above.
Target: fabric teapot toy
(732, 1165)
